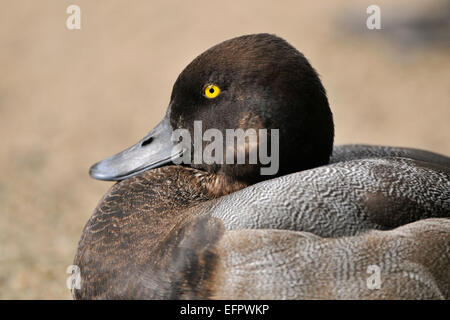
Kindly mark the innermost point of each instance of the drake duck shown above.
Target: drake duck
(226, 231)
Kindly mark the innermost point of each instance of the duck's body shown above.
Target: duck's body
(164, 234)
(208, 231)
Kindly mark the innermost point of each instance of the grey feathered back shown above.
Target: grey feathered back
(341, 199)
(363, 151)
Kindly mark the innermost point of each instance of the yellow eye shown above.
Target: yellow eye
(212, 91)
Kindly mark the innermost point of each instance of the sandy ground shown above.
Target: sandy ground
(71, 98)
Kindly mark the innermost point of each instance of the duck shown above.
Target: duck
(313, 229)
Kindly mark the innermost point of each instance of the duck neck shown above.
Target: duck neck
(218, 185)
(213, 185)
(179, 186)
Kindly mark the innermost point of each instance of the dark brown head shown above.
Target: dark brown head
(251, 82)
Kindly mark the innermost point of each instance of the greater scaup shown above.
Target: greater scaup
(205, 231)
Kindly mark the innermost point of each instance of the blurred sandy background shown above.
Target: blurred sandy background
(71, 98)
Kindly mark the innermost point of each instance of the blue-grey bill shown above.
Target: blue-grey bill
(154, 150)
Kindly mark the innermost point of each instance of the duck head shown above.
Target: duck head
(252, 82)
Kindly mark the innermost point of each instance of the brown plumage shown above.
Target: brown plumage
(273, 264)
(145, 239)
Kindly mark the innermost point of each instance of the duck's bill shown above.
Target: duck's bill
(154, 150)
